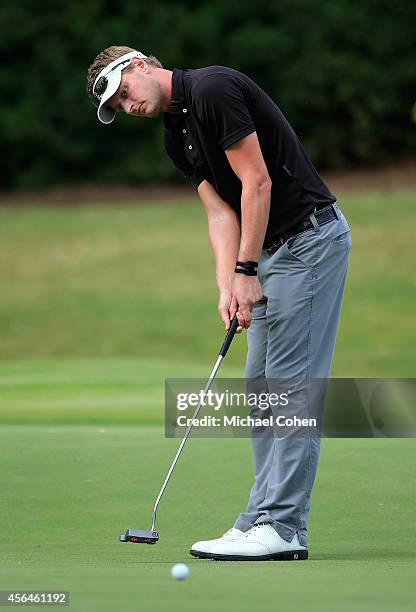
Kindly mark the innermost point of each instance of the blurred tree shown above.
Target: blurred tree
(341, 70)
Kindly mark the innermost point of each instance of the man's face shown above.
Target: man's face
(139, 93)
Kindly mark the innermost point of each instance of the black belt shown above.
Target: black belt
(322, 216)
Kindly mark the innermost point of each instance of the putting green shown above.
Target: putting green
(69, 491)
(88, 335)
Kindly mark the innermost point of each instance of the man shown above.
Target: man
(281, 247)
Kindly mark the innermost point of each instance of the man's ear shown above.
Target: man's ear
(141, 64)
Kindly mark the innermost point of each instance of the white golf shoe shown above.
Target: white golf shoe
(203, 548)
(260, 543)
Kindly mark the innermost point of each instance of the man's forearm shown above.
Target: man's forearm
(224, 234)
(224, 230)
(224, 237)
(255, 207)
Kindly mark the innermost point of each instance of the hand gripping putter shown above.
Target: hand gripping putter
(152, 536)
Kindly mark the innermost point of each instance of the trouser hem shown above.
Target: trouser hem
(242, 525)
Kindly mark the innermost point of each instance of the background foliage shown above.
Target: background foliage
(342, 71)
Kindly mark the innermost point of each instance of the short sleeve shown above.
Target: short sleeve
(220, 105)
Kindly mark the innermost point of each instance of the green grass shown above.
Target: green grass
(91, 391)
(72, 489)
(98, 306)
(127, 281)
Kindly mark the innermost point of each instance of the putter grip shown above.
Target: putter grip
(229, 337)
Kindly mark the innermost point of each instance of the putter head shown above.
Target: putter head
(140, 536)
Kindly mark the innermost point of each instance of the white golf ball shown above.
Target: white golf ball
(179, 571)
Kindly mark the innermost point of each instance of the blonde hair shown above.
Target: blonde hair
(109, 55)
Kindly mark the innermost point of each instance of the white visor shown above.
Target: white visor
(109, 80)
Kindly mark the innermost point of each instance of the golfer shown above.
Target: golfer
(281, 247)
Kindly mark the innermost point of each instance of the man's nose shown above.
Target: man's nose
(127, 106)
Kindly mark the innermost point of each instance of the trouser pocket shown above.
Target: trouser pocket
(303, 249)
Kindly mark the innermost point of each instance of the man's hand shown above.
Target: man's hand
(246, 292)
(239, 299)
(227, 306)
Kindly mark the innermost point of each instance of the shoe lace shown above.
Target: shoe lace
(257, 526)
(228, 532)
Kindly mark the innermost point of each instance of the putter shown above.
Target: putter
(152, 536)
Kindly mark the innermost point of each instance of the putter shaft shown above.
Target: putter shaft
(151, 537)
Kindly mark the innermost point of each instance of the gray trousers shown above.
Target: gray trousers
(292, 336)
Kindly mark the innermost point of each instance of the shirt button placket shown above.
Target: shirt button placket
(185, 131)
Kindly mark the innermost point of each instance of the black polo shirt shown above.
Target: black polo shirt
(216, 106)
